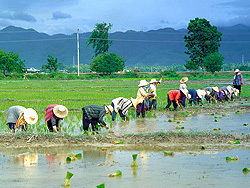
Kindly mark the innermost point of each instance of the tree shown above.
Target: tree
(107, 63)
(99, 38)
(201, 41)
(10, 62)
(213, 62)
(52, 64)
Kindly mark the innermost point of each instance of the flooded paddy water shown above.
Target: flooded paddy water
(196, 168)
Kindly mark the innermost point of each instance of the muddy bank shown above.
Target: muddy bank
(160, 140)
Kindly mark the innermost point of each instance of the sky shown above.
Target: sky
(66, 16)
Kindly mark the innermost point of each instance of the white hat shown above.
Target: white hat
(153, 81)
(200, 93)
(60, 111)
(216, 89)
(189, 96)
(143, 83)
(183, 80)
(30, 116)
(185, 91)
(134, 102)
(237, 70)
(236, 91)
(109, 109)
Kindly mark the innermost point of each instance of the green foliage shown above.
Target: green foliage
(134, 163)
(213, 62)
(52, 64)
(10, 62)
(107, 63)
(201, 41)
(99, 38)
(169, 73)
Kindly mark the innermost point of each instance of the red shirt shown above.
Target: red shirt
(175, 95)
(49, 114)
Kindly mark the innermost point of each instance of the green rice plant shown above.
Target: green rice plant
(66, 182)
(101, 185)
(134, 163)
(228, 159)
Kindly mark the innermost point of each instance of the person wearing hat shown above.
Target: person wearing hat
(93, 114)
(212, 93)
(183, 85)
(175, 97)
(53, 115)
(201, 94)
(121, 105)
(238, 81)
(152, 90)
(141, 95)
(20, 117)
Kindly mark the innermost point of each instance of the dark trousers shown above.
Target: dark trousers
(53, 122)
(170, 102)
(140, 108)
(86, 121)
(153, 103)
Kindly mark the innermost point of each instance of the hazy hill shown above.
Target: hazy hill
(162, 47)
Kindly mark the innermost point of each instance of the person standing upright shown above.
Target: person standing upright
(238, 81)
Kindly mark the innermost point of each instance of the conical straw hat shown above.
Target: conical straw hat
(143, 83)
(30, 116)
(183, 80)
(60, 111)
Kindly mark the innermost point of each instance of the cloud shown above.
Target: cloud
(60, 15)
(23, 16)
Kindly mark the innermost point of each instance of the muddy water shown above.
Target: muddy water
(47, 168)
(198, 122)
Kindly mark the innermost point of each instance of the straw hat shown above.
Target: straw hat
(200, 93)
(134, 102)
(185, 91)
(60, 111)
(30, 116)
(143, 83)
(237, 70)
(216, 89)
(183, 80)
(109, 109)
(153, 81)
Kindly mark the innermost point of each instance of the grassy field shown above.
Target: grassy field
(75, 94)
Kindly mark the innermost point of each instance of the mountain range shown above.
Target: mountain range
(155, 47)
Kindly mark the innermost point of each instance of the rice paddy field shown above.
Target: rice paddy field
(188, 165)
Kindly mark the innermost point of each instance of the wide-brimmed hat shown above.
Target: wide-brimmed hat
(200, 93)
(60, 111)
(183, 80)
(236, 91)
(143, 83)
(237, 70)
(30, 116)
(134, 102)
(185, 91)
(216, 89)
(153, 81)
(109, 109)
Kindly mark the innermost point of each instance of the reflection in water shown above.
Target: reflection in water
(144, 157)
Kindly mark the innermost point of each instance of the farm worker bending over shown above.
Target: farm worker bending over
(175, 97)
(212, 93)
(141, 95)
(238, 80)
(20, 116)
(193, 96)
(94, 114)
(53, 115)
(201, 95)
(122, 106)
(152, 90)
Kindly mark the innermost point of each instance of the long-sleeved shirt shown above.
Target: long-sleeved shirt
(14, 113)
(238, 77)
(152, 90)
(49, 114)
(95, 112)
(193, 94)
(141, 94)
(175, 95)
(183, 86)
(122, 104)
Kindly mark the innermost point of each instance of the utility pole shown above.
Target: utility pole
(78, 50)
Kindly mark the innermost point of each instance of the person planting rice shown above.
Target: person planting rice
(175, 97)
(183, 85)
(141, 95)
(238, 81)
(93, 114)
(152, 90)
(201, 95)
(193, 96)
(212, 93)
(121, 105)
(53, 116)
(20, 117)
